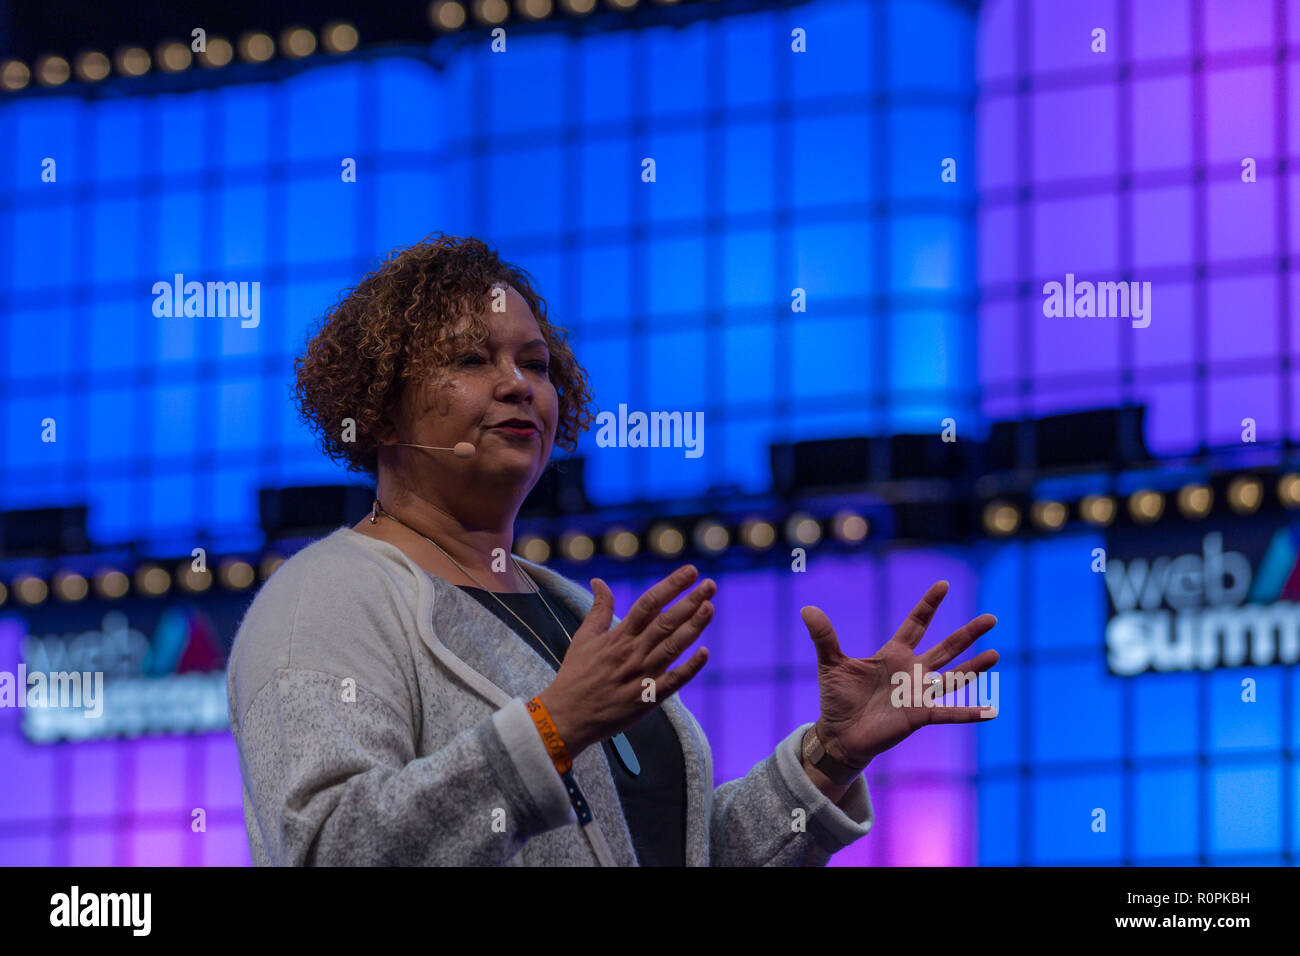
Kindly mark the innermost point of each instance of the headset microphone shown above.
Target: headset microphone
(462, 449)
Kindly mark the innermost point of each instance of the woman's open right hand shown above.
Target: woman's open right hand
(600, 689)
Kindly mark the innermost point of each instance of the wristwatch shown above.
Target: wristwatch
(814, 751)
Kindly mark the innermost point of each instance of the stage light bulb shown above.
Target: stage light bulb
(712, 537)
(52, 71)
(757, 534)
(30, 590)
(621, 543)
(235, 574)
(491, 12)
(91, 66)
(1001, 518)
(850, 527)
(534, 9)
(269, 563)
(533, 548)
(173, 57)
(666, 540)
(219, 53)
(577, 546)
(1245, 494)
(132, 61)
(1288, 490)
(256, 47)
(1050, 515)
(340, 37)
(70, 586)
(802, 528)
(1146, 506)
(297, 42)
(1195, 501)
(196, 582)
(15, 75)
(1097, 509)
(152, 580)
(111, 584)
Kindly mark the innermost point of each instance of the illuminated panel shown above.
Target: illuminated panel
(1133, 165)
(678, 294)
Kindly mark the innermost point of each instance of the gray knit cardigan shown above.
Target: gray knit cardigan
(379, 713)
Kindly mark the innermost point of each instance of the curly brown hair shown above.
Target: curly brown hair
(397, 324)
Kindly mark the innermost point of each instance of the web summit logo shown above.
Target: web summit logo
(1206, 610)
(171, 683)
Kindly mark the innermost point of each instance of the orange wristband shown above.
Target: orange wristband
(550, 736)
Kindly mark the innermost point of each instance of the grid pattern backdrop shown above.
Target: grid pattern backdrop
(1126, 165)
(1187, 773)
(775, 172)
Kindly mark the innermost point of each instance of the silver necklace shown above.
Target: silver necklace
(622, 747)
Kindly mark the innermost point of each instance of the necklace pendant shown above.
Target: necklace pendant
(626, 755)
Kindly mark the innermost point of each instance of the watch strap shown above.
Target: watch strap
(815, 752)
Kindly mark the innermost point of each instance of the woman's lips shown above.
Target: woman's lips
(518, 432)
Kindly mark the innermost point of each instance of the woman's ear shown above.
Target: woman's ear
(385, 432)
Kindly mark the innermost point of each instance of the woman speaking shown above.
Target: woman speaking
(406, 692)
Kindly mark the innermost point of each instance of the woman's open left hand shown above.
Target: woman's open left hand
(859, 720)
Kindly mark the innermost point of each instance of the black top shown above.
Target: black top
(654, 802)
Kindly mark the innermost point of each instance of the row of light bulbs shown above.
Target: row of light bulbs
(255, 46)
(666, 539)
(451, 15)
(1244, 495)
(173, 56)
(149, 580)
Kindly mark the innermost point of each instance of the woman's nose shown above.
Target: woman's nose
(514, 378)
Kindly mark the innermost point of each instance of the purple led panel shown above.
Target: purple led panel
(761, 683)
(1123, 141)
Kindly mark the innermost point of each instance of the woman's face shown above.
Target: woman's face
(505, 378)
